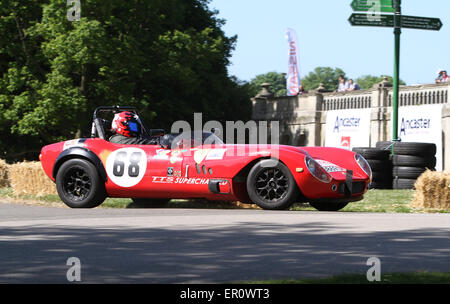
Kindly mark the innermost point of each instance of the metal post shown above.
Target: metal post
(397, 33)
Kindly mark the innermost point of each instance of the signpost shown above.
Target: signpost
(411, 22)
(396, 21)
(384, 6)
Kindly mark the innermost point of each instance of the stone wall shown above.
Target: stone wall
(302, 118)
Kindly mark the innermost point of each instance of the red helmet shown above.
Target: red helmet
(126, 124)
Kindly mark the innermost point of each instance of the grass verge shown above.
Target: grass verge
(387, 201)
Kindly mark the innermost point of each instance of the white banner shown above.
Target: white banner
(348, 129)
(422, 124)
(293, 75)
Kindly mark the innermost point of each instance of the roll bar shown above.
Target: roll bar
(115, 109)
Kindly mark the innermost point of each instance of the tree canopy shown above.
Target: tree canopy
(368, 81)
(167, 58)
(326, 75)
(277, 81)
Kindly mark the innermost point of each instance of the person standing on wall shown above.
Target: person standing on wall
(353, 86)
(443, 77)
(343, 84)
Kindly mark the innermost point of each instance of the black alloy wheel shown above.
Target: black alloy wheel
(271, 185)
(79, 184)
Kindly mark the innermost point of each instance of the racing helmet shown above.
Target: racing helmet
(126, 124)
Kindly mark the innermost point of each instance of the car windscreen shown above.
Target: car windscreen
(189, 139)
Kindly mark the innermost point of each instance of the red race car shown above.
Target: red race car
(199, 165)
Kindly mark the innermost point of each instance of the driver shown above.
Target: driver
(127, 130)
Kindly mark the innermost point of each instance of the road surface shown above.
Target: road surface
(212, 246)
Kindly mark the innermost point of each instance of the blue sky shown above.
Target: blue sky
(326, 38)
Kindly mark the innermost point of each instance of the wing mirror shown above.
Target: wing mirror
(157, 132)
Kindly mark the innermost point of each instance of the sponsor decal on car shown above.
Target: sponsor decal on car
(170, 171)
(329, 167)
(74, 143)
(200, 155)
(179, 180)
(216, 154)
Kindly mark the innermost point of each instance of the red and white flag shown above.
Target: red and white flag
(293, 75)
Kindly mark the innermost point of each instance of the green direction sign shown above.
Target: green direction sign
(421, 23)
(384, 6)
(411, 22)
(372, 20)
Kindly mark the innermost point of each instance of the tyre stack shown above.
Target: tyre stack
(409, 161)
(381, 165)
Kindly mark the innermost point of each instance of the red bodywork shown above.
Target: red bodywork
(185, 173)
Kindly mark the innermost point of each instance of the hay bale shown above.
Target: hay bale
(432, 191)
(28, 178)
(4, 182)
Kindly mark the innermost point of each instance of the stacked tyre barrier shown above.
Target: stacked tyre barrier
(379, 161)
(409, 161)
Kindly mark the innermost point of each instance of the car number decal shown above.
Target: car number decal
(329, 167)
(126, 167)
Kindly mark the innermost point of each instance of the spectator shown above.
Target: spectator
(353, 86)
(301, 90)
(343, 84)
(443, 77)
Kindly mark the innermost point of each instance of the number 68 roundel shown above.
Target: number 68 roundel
(126, 167)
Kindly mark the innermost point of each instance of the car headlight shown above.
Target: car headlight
(317, 170)
(362, 162)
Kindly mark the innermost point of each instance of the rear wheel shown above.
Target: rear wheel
(271, 185)
(328, 206)
(79, 185)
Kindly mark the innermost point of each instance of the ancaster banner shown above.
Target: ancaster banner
(422, 124)
(348, 129)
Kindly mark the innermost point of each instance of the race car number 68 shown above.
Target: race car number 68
(126, 167)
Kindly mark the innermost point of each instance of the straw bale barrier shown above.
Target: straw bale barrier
(432, 191)
(28, 178)
(4, 181)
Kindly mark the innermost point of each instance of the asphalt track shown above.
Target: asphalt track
(212, 246)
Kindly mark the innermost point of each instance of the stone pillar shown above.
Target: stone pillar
(379, 116)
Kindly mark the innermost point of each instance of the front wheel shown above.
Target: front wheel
(79, 185)
(271, 185)
(328, 206)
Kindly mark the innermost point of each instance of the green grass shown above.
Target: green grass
(120, 202)
(394, 278)
(383, 201)
(387, 201)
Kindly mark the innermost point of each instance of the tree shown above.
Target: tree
(326, 75)
(277, 81)
(368, 81)
(169, 59)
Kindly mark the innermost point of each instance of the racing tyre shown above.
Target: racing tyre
(381, 185)
(373, 153)
(415, 149)
(414, 161)
(271, 185)
(79, 185)
(379, 165)
(404, 184)
(382, 176)
(384, 145)
(328, 206)
(408, 172)
(150, 203)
